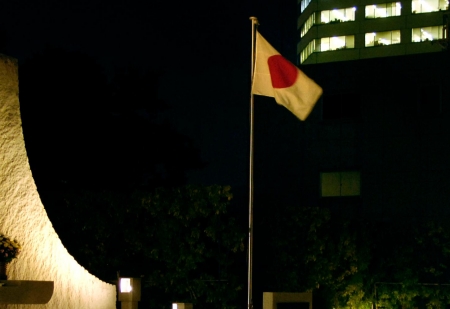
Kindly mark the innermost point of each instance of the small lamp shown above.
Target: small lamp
(129, 292)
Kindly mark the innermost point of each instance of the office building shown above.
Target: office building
(378, 141)
(342, 30)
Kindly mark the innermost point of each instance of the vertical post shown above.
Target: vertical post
(250, 193)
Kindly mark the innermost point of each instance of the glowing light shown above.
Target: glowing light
(125, 285)
(182, 306)
(427, 35)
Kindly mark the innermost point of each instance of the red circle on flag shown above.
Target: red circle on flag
(282, 72)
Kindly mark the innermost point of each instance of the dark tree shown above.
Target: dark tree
(182, 241)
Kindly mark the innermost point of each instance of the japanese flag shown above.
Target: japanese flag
(274, 76)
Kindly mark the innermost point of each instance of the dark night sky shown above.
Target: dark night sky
(203, 48)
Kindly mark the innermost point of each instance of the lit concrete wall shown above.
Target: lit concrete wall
(22, 216)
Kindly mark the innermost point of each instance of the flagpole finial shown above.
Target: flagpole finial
(254, 20)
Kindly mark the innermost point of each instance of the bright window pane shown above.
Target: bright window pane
(327, 44)
(382, 38)
(310, 48)
(324, 44)
(393, 9)
(370, 39)
(325, 17)
(350, 14)
(424, 6)
(304, 4)
(337, 42)
(370, 11)
(308, 24)
(383, 10)
(380, 11)
(337, 15)
(427, 33)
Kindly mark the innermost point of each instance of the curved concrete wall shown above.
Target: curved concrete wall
(22, 216)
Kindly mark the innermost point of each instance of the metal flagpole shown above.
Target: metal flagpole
(250, 194)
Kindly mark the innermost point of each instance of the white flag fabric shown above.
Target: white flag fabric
(274, 76)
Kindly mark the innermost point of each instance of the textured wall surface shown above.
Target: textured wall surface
(22, 216)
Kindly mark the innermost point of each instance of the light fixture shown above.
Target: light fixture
(182, 306)
(129, 292)
(125, 285)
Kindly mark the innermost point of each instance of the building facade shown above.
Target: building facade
(360, 29)
(378, 141)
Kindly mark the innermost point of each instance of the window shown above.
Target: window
(309, 49)
(427, 33)
(340, 183)
(337, 15)
(383, 10)
(425, 6)
(382, 38)
(336, 42)
(304, 4)
(327, 44)
(308, 24)
(341, 106)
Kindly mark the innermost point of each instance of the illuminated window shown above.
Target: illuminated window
(309, 49)
(425, 6)
(336, 42)
(383, 10)
(308, 24)
(427, 33)
(340, 183)
(341, 106)
(304, 4)
(337, 15)
(327, 44)
(383, 38)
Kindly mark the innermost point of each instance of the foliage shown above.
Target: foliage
(181, 241)
(393, 268)
(417, 266)
(350, 262)
(9, 249)
(337, 258)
